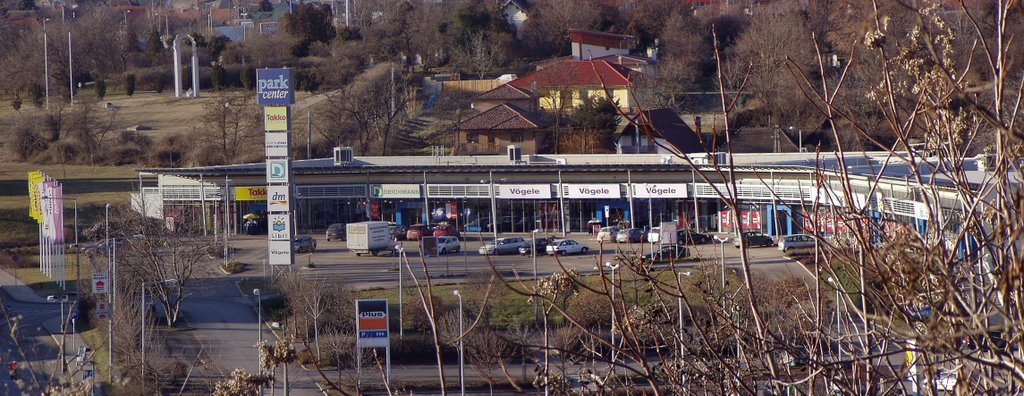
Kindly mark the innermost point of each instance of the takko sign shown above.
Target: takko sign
(659, 190)
(276, 118)
(250, 193)
(591, 191)
(524, 191)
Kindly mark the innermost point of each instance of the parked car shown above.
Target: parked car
(448, 244)
(566, 246)
(667, 253)
(509, 245)
(446, 230)
(798, 241)
(945, 380)
(335, 232)
(398, 231)
(653, 235)
(629, 235)
(540, 244)
(691, 237)
(754, 238)
(417, 231)
(303, 244)
(608, 234)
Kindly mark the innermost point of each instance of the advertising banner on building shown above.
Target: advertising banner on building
(659, 190)
(280, 227)
(524, 191)
(395, 191)
(279, 253)
(274, 87)
(250, 193)
(276, 144)
(276, 119)
(592, 191)
(277, 171)
(278, 198)
(372, 324)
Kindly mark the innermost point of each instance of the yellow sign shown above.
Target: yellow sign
(251, 193)
(35, 199)
(276, 119)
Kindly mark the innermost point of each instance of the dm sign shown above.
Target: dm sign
(372, 323)
(274, 87)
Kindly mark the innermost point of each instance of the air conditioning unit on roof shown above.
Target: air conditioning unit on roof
(342, 156)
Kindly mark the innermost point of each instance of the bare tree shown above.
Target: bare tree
(368, 111)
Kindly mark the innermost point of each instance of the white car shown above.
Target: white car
(448, 244)
(798, 241)
(566, 246)
(608, 234)
(945, 380)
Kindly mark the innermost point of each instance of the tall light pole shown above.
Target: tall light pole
(462, 367)
(401, 309)
(536, 281)
(143, 309)
(110, 319)
(721, 242)
(46, 65)
(679, 275)
(612, 267)
(71, 75)
(839, 327)
(259, 316)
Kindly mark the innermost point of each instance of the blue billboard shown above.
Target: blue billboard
(274, 87)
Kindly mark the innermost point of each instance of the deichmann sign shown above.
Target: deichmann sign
(276, 144)
(592, 191)
(524, 191)
(395, 191)
(277, 170)
(277, 198)
(659, 190)
(372, 323)
(250, 193)
(279, 252)
(280, 227)
(274, 87)
(277, 118)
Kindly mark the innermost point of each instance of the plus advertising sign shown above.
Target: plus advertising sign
(274, 87)
(102, 310)
(372, 323)
(100, 280)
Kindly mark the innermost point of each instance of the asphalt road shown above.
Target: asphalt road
(38, 353)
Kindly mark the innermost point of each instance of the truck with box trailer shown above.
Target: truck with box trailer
(370, 237)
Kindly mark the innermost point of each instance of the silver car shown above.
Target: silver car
(798, 241)
(509, 245)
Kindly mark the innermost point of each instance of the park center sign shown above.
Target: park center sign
(274, 87)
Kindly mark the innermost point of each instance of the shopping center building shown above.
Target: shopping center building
(779, 193)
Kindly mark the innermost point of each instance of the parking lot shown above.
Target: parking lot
(332, 260)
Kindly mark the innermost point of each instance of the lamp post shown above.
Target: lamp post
(612, 267)
(721, 242)
(462, 377)
(110, 320)
(679, 275)
(126, 19)
(401, 309)
(259, 316)
(46, 65)
(143, 309)
(536, 281)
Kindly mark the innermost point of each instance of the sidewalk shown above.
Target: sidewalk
(18, 290)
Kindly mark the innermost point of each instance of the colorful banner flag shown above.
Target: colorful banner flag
(35, 180)
(58, 212)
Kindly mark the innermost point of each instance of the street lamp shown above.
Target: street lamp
(259, 316)
(126, 18)
(110, 320)
(143, 309)
(679, 275)
(722, 242)
(401, 276)
(612, 267)
(536, 281)
(46, 65)
(462, 377)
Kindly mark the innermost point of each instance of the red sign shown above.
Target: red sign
(375, 210)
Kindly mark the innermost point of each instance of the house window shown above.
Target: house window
(517, 138)
(490, 139)
(472, 138)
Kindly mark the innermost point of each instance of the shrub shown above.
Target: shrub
(25, 143)
(37, 94)
(233, 267)
(248, 77)
(101, 88)
(160, 83)
(129, 84)
(16, 102)
(217, 76)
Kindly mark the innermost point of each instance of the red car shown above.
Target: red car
(446, 230)
(416, 231)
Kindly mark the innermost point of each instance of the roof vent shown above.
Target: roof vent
(342, 156)
(515, 154)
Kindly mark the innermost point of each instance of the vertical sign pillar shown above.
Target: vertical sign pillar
(274, 91)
